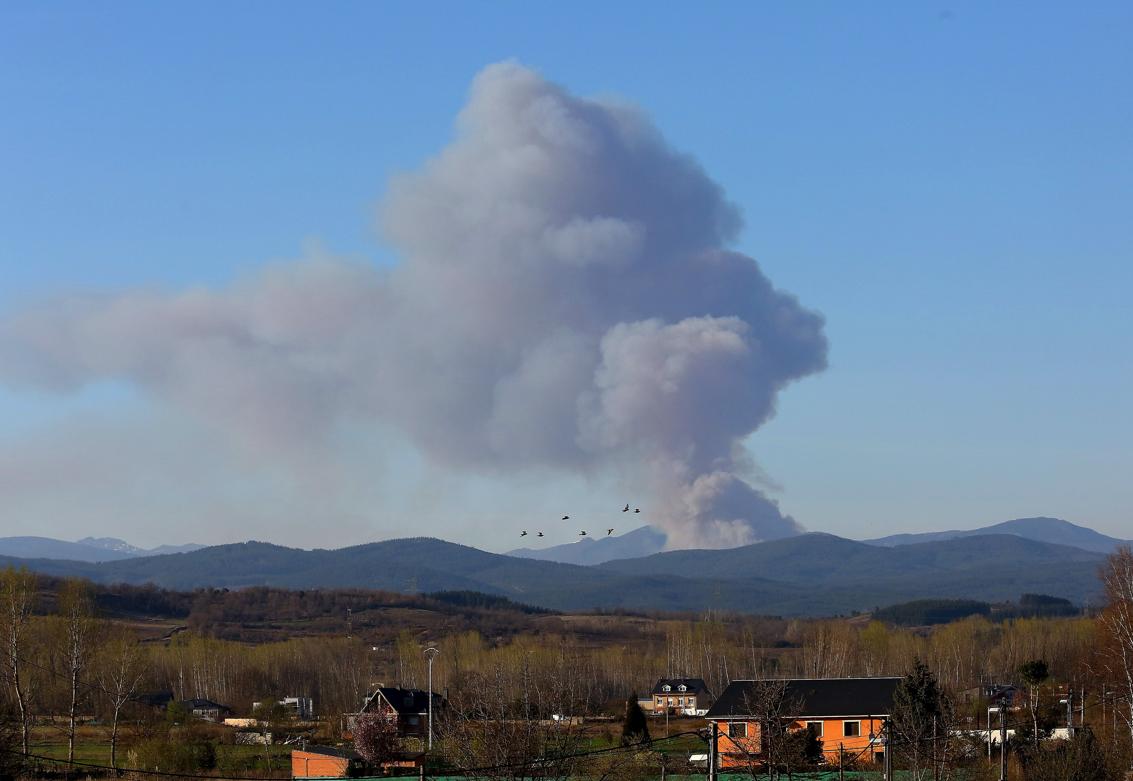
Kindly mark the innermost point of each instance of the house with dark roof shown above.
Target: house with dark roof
(681, 697)
(409, 707)
(846, 714)
(206, 710)
(156, 700)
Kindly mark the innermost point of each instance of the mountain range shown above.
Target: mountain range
(92, 549)
(810, 574)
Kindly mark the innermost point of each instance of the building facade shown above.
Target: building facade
(847, 715)
(681, 697)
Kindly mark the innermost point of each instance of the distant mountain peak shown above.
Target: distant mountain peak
(112, 543)
(92, 549)
(1055, 531)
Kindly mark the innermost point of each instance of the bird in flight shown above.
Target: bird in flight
(582, 533)
(625, 509)
(609, 532)
(566, 517)
(523, 533)
(637, 509)
(540, 534)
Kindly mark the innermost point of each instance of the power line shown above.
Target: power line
(158, 773)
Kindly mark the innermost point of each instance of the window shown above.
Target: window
(851, 729)
(737, 729)
(414, 721)
(682, 687)
(671, 701)
(666, 688)
(815, 727)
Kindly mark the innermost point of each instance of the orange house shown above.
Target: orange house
(323, 762)
(848, 716)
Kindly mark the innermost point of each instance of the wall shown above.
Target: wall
(740, 752)
(306, 764)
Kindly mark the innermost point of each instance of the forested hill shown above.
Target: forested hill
(814, 574)
(1052, 530)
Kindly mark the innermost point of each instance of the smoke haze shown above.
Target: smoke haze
(565, 299)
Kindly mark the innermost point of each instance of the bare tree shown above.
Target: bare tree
(496, 725)
(17, 600)
(376, 738)
(76, 609)
(1077, 759)
(120, 671)
(771, 749)
(1117, 626)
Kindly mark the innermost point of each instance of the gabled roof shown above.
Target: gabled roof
(692, 686)
(405, 701)
(153, 699)
(199, 703)
(814, 697)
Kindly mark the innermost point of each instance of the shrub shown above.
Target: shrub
(173, 755)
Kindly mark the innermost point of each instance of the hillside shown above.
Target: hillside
(813, 574)
(960, 565)
(1052, 530)
(643, 541)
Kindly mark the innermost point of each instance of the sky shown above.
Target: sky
(947, 185)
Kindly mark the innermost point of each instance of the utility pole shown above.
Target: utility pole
(713, 738)
(935, 766)
(1003, 737)
(988, 734)
(430, 654)
(888, 744)
(841, 762)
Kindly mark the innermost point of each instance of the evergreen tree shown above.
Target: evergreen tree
(1034, 673)
(920, 723)
(634, 729)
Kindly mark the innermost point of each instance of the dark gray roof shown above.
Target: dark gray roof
(153, 699)
(814, 697)
(692, 686)
(405, 701)
(199, 703)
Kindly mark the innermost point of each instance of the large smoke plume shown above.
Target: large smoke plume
(565, 298)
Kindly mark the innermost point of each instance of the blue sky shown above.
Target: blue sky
(949, 184)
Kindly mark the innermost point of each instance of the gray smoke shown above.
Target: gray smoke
(565, 298)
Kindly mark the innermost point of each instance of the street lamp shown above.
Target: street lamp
(431, 654)
(1068, 701)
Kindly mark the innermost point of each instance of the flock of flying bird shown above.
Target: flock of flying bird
(583, 532)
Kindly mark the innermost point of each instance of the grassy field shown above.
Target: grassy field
(92, 747)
